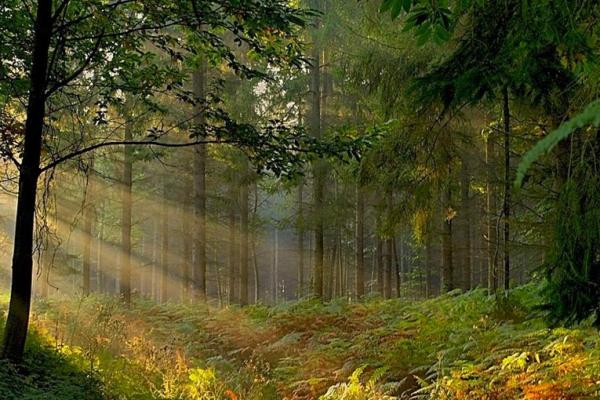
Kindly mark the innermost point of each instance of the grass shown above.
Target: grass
(458, 346)
(47, 375)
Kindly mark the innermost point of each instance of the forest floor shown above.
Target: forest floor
(458, 346)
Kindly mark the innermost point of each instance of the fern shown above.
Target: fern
(589, 116)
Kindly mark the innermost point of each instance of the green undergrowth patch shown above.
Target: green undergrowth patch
(47, 374)
(456, 346)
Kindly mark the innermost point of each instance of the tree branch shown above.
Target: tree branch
(96, 146)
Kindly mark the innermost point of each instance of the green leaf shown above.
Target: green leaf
(386, 5)
(589, 116)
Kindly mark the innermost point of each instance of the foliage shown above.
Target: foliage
(456, 346)
(48, 375)
(573, 269)
(589, 116)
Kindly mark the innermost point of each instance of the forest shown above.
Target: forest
(299, 199)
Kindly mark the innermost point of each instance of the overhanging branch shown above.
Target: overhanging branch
(96, 146)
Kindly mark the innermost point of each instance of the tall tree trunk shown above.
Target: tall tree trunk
(507, 184)
(428, 261)
(88, 218)
(253, 243)
(465, 183)
(339, 275)
(330, 270)
(300, 228)
(99, 251)
(447, 251)
(187, 248)
(360, 242)
(387, 279)
(199, 82)
(318, 169)
(125, 287)
(244, 256)
(398, 263)
(155, 289)
(17, 321)
(379, 266)
(492, 252)
(164, 252)
(275, 269)
(232, 258)
(217, 270)
(255, 270)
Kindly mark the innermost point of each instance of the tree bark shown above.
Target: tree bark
(164, 252)
(88, 220)
(507, 184)
(300, 228)
(387, 280)
(318, 188)
(466, 225)
(275, 269)
(233, 270)
(253, 243)
(125, 287)
(379, 266)
(17, 321)
(492, 254)
(398, 263)
(199, 82)
(447, 251)
(187, 248)
(244, 256)
(360, 242)
(428, 261)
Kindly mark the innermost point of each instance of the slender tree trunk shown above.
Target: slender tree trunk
(253, 245)
(339, 275)
(492, 254)
(318, 168)
(387, 279)
(507, 184)
(244, 256)
(88, 217)
(329, 273)
(447, 256)
(256, 274)
(275, 271)
(17, 321)
(428, 261)
(360, 242)
(217, 270)
(199, 82)
(164, 252)
(155, 290)
(466, 224)
(233, 270)
(187, 248)
(125, 287)
(99, 251)
(300, 228)
(397, 265)
(379, 251)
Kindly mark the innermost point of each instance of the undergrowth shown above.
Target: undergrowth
(47, 375)
(457, 346)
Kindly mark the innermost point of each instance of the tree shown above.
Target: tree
(199, 82)
(126, 212)
(70, 41)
